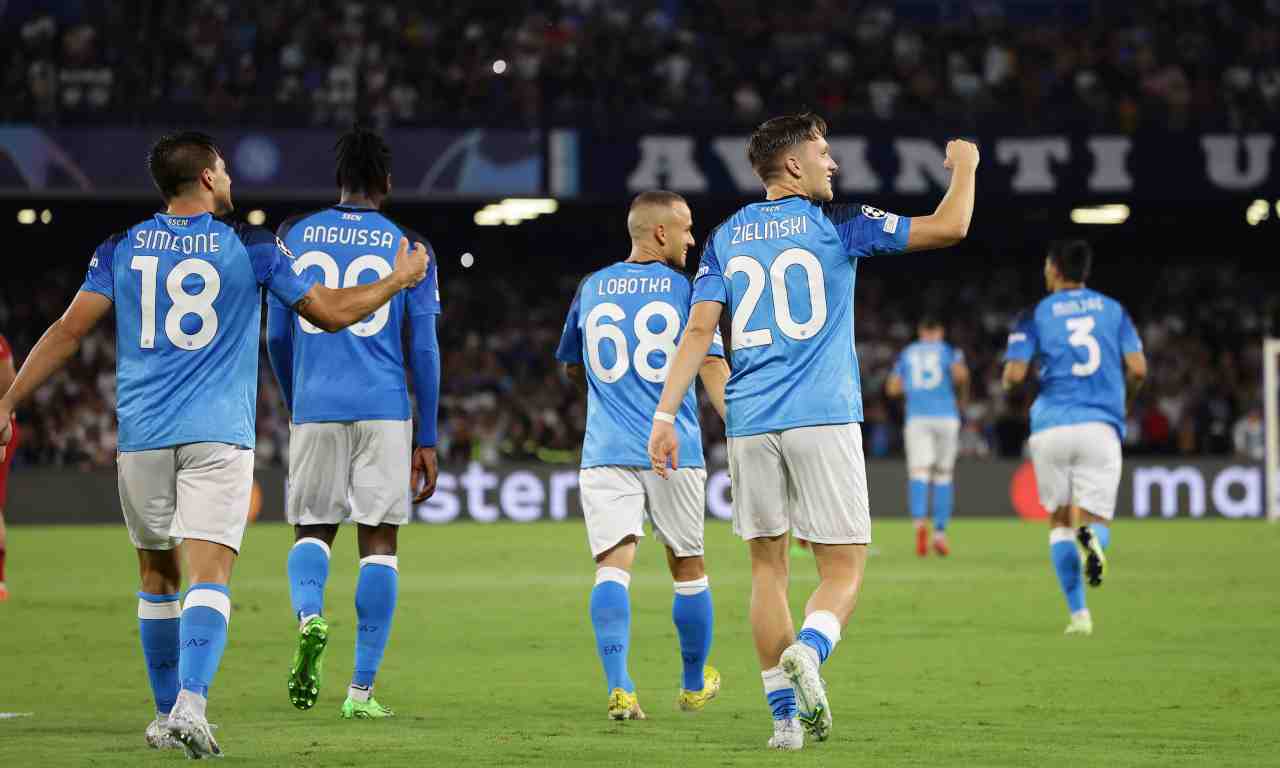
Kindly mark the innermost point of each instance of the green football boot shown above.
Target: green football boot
(308, 663)
(369, 709)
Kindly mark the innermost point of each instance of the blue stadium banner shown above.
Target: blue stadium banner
(298, 164)
(1071, 166)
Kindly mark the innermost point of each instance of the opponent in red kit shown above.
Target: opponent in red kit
(7, 375)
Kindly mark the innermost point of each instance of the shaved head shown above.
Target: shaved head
(649, 209)
(661, 223)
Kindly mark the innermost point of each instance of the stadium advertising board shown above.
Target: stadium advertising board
(883, 163)
(428, 164)
(525, 493)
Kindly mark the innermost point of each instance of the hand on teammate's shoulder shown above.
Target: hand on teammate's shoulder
(961, 154)
(411, 264)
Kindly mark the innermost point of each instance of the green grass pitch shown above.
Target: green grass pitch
(955, 662)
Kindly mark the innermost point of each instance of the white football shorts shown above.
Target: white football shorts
(193, 491)
(932, 443)
(809, 480)
(1078, 464)
(358, 468)
(616, 500)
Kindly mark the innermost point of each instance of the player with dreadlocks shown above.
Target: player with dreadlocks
(352, 447)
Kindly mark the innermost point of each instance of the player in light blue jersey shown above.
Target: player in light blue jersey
(784, 270)
(351, 440)
(1090, 363)
(931, 374)
(618, 344)
(187, 292)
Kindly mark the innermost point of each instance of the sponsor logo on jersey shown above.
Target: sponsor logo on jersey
(284, 248)
(93, 263)
(871, 212)
(702, 270)
(351, 217)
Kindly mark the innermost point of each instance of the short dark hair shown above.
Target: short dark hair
(778, 134)
(929, 320)
(178, 159)
(1073, 259)
(658, 197)
(364, 161)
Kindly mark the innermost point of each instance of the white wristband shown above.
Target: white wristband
(667, 417)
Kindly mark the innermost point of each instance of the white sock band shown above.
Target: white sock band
(920, 474)
(169, 609)
(942, 478)
(775, 680)
(826, 623)
(692, 587)
(1061, 534)
(391, 561)
(209, 598)
(309, 540)
(609, 573)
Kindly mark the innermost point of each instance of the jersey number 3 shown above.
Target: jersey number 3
(199, 304)
(1082, 336)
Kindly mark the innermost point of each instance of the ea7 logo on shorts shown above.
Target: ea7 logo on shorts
(871, 212)
(93, 263)
(284, 248)
(197, 642)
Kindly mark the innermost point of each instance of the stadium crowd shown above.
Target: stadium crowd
(1175, 64)
(503, 396)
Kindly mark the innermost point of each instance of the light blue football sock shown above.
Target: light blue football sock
(918, 498)
(376, 592)
(1102, 533)
(779, 693)
(943, 502)
(611, 619)
(691, 611)
(159, 617)
(1066, 563)
(308, 571)
(203, 635)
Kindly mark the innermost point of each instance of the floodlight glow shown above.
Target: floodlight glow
(257, 217)
(1257, 212)
(27, 216)
(513, 210)
(1112, 213)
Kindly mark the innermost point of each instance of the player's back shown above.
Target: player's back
(623, 327)
(358, 373)
(187, 308)
(1080, 338)
(925, 369)
(788, 268)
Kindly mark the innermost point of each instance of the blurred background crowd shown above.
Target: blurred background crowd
(503, 396)
(1113, 66)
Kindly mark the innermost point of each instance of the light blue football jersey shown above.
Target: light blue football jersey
(188, 303)
(623, 327)
(925, 370)
(785, 269)
(1078, 339)
(358, 373)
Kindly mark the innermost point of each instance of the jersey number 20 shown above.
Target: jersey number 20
(777, 277)
(649, 342)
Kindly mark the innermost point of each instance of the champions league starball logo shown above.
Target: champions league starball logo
(871, 212)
